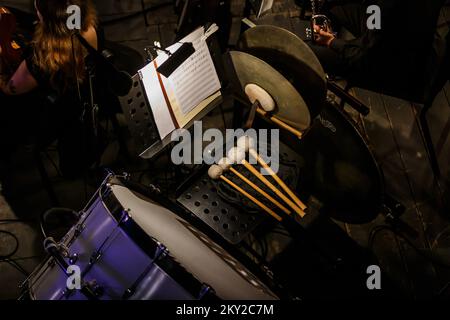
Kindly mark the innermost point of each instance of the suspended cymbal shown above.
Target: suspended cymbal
(292, 57)
(290, 106)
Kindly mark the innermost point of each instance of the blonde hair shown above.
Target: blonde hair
(55, 46)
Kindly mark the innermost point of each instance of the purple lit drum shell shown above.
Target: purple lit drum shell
(123, 262)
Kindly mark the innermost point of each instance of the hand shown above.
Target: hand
(321, 37)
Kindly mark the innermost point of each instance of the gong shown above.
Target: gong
(292, 57)
(290, 106)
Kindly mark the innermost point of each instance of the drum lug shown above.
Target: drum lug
(79, 229)
(268, 272)
(73, 258)
(125, 216)
(95, 289)
(205, 290)
(126, 176)
(161, 252)
(95, 257)
(154, 189)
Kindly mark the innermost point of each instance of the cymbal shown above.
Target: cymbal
(292, 57)
(290, 106)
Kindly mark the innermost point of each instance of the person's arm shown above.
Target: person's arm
(351, 51)
(21, 82)
(91, 37)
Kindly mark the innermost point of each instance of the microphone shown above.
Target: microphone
(52, 248)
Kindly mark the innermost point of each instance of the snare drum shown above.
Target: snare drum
(128, 247)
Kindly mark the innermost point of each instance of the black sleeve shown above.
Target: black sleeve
(355, 52)
(39, 75)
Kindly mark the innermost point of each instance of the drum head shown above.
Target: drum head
(292, 57)
(290, 106)
(341, 169)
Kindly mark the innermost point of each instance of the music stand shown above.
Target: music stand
(260, 7)
(139, 116)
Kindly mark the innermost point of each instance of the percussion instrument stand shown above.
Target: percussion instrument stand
(144, 13)
(347, 98)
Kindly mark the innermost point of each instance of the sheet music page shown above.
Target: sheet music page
(196, 79)
(158, 105)
(266, 6)
(190, 89)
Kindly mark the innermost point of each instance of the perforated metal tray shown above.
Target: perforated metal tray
(233, 220)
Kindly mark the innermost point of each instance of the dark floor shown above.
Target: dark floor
(391, 127)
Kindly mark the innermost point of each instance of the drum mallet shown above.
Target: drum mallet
(266, 106)
(237, 155)
(226, 165)
(248, 144)
(215, 172)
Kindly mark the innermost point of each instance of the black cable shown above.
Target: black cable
(45, 214)
(16, 247)
(53, 163)
(7, 257)
(16, 266)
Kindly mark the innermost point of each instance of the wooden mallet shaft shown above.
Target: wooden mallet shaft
(262, 192)
(251, 198)
(264, 180)
(280, 123)
(277, 179)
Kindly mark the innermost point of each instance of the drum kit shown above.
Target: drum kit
(130, 245)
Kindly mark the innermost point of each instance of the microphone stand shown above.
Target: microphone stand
(119, 82)
(108, 68)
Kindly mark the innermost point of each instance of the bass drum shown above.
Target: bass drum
(128, 247)
(340, 169)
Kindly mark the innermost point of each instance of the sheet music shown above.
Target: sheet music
(196, 79)
(266, 6)
(157, 101)
(190, 89)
